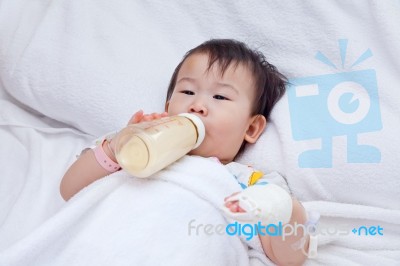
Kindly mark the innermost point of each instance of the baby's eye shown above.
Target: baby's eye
(220, 97)
(187, 92)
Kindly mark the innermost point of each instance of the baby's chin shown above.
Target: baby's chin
(199, 152)
(202, 153)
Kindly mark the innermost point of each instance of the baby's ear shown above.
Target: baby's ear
(256, 127)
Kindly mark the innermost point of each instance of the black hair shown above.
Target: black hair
(268, 81)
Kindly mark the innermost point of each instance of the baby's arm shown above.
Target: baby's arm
(281, 252)
(278, 250)
(85, 170)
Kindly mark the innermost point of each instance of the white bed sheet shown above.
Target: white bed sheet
(35, 153)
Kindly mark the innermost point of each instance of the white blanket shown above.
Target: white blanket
(121, 220)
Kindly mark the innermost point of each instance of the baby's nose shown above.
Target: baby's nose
(198, 109)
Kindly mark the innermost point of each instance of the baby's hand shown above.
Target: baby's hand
(233, 206)
(268, 203)
(139, 116)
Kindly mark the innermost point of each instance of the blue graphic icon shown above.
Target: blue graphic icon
(340, 104)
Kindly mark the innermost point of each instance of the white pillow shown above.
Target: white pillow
(93, 65)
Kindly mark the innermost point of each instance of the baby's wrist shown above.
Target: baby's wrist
(109, 149)
(105, 158)
(299, 214)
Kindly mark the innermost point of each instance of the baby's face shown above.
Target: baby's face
(222, 103)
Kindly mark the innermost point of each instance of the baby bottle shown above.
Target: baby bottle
(145, 148)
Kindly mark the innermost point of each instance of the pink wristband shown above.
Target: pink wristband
(104, 160)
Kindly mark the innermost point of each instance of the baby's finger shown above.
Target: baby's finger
(236, 208)
(152, 116)
(225, 199)
(136, 118)
(147, 118)
(156, 115)
(228, 204)
(240, 209)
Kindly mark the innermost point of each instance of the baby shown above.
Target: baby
(232, 89)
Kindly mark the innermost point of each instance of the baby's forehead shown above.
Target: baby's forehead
(221, 64)
(235, 72)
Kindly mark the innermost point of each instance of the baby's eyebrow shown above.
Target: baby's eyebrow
(218, 84)
(229, 86)
(192, 80)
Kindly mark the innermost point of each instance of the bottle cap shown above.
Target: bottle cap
(201, 130)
